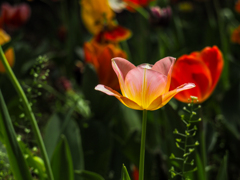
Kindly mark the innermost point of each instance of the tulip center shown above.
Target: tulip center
(146, 66)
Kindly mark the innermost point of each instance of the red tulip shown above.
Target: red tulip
(14, 16)
(202, 68)
(100, 55)
(145, 87)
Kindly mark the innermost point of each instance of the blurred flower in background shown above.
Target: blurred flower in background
(237, 6)
(98, 18)
(160, 16)
(13, 17)
(144, 87)
(96, 14)
(202, 68)
(100, 55)
(135, 173)
(62, 33)
(134, 4)
(117, 5)
(9, 53)
(185, 6)
(235, 37)
(113, 34)
(131, 5)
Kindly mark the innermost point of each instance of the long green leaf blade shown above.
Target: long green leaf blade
(125, 175)
(17, 162)
(61, 162)
(222, 173)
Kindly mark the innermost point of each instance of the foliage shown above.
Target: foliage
(58, 61)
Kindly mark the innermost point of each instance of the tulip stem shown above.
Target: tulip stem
(142, 149)
(28, 111)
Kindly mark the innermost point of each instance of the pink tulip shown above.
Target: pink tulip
(145, 87)
(14, 16)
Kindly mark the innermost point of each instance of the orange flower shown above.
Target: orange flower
(14, 16)
(235, 38)
(9, 53)
(100, 56)
(144, 87)
(202, 68)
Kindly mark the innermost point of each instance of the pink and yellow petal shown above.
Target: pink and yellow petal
(127, 102)
(165, 98)
(165, 66)
(144, 85)
(169, 95)
(121, 67)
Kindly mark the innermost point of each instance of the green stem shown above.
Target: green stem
(203, 147)
(29, 112)
(142, 149)
(185, 144)
(184, 158)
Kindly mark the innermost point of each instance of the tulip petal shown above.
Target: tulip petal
(214, 61)
(169, 95)
(121, 67)
(165, 67)
(127, 102)
(190, 68)
(165, 98)
(118, 33)
(143, 85)
(156, 104)
(106, 74)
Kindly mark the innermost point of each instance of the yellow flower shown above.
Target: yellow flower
(9, 53)
(96, 14)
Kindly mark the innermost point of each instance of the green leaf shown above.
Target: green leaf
(17, 162)
(222, 173)
(88, 175)
(63, 124)
(125, 175)
(201, 169)
(61, 162)
(52, 134)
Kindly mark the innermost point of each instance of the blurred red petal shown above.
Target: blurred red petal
(113, 34)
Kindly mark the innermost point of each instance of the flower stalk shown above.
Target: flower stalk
(142, 148)
(186, 148)
(28, 111)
